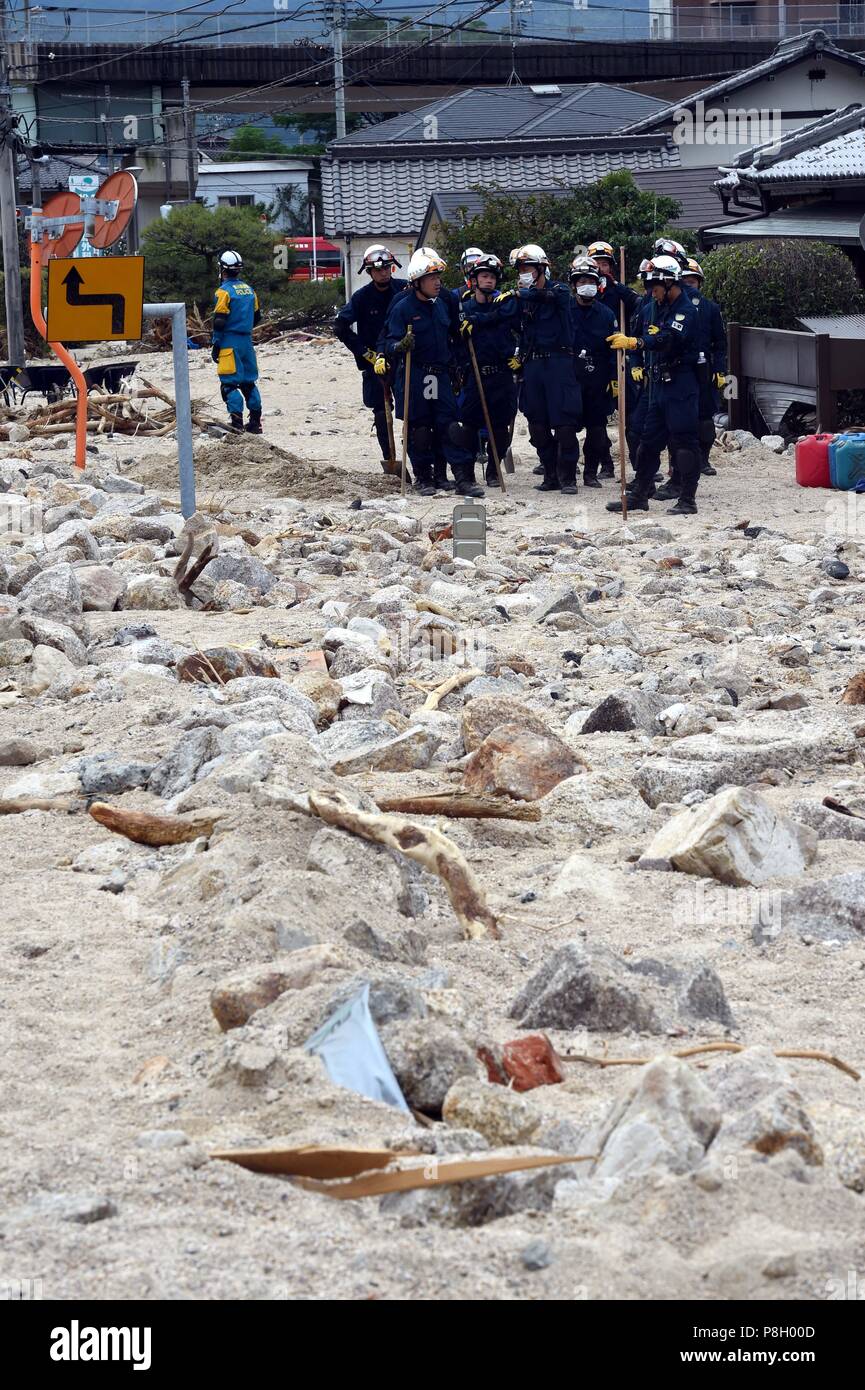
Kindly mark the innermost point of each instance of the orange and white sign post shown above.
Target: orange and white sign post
(55, 230)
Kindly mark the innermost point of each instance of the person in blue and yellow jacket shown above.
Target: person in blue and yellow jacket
(235, 314)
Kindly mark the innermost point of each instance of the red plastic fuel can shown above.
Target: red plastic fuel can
(812, 460)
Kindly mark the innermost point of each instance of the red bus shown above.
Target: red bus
(328, 258)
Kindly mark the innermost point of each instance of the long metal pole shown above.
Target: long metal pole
(338, 77)
(182, 400)
(8, 221)
(188, 140)
(487, 422)
(622, 392)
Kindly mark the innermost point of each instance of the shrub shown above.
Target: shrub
(182, 253)
(773, 284)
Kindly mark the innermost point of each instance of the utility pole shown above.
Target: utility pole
(109, 156)
(188, 140)
(337, 26)
(8, 219)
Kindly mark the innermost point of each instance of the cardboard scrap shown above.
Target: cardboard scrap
(312, 1165)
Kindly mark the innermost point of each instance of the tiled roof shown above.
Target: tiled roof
(382, 197)
(787, 53)
(830, 148)
(502, 113)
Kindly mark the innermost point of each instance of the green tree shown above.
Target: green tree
(613, 208)
(772, 284)
(181, 253)
(252, 140)
(322, 124)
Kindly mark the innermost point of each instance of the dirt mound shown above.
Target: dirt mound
(246, 463)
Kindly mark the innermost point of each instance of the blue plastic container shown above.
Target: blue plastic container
(847, 461)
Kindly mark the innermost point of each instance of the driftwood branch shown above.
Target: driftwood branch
(39, 803)
(807, 1054)
(147, 829)
(429, 848)
(434, 698)
(459, 804)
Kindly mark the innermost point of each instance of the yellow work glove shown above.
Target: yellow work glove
(653, 328)
(515, 364)
(636, 374)
(720, 380)
(380, 366)
(370, 356)
(621, 341)
(466, 327)
(613, 386)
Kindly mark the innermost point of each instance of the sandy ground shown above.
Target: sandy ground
(96, 984)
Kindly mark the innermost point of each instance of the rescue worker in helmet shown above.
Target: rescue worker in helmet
(712, 362)
(671, 348)
(235, 314)
(550, 393)
(421, 321)
(490, 318)
(595, 365)
(638, 396)
(367, 310)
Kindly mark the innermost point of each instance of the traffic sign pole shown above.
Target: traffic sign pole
(58, 349)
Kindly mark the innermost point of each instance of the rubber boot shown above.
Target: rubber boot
(466, 485)
(423, 483)
(637, 502)
(440, 477)
(253, 425)
(235, 419)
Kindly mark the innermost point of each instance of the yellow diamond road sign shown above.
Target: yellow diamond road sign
(95, 298)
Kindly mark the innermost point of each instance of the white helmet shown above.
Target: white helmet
(375, 257)
(665, 246)
(231, 262)
(425, 261)
(584, 266)
(468, 258)
(663, 270)
(693, 268)
(530, 254)
(602, 248)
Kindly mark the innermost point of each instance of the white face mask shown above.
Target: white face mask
(525, 278)
(587, 291)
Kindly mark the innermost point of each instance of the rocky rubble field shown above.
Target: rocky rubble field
(662, 726)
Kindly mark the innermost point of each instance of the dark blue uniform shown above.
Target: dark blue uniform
(671, 353)
(713, 358)
(638, 394)
(367, 310)
(595, 366)
(550, 394)
(434, 424)
(495, 335)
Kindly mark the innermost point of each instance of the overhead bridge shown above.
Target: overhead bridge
(403, 75)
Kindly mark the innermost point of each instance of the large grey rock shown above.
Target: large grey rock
(831, 909)
(104, 774)
(47, 665)
(481, 1200)
(20, 752)
(342, 739)
(179, 768)
(427, 1057)
(102, 588)
(243, 569)
(761, 1108)
(736, 753)
(54, 592)
(45, 632)
(405, 752)
(152, 592)
(626, 709)
(368, 694)
(501, 1115)
(407, 945)
(565, 601)
(829, 824)
(81, 1208)
(480, 716)
(597, 990)
(74, 533)
(665, 1123)
(597, 804)
(737, 837)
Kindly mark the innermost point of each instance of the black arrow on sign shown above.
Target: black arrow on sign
(117, 302)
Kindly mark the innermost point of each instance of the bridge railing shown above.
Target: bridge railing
(271, 26)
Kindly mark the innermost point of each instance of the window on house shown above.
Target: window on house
(235, 200)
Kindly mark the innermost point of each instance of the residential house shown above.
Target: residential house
(251, 183)
(811, 183)
(378, 181)
(806, 77)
